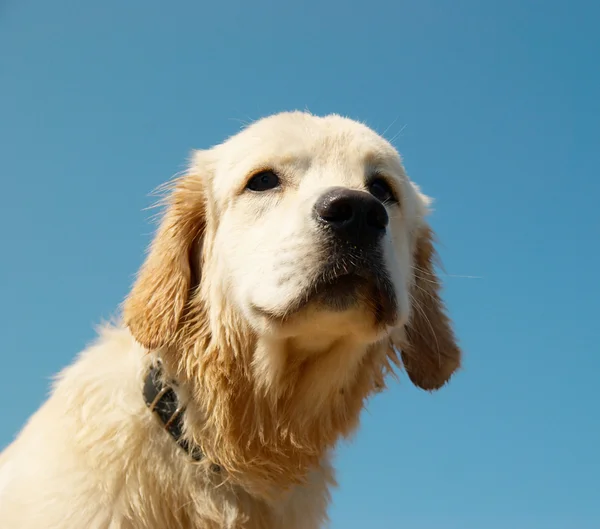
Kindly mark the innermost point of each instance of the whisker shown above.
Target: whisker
(425, 272)
(397, 135)
(390, 126)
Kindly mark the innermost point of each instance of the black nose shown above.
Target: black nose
(353, 215)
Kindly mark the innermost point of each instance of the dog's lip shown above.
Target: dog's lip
(330, 284)
(334, 277)
(322, 286)
(341, 280)
(350, 273)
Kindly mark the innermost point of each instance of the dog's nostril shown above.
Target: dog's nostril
(337, 211)
(377, 217)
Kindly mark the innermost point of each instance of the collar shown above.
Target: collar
(162, 400)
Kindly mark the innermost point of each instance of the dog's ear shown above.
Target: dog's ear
(159, 296)
(429, 350)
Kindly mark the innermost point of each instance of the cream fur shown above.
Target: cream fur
(268, 397)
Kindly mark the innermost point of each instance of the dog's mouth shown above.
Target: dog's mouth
(367, 284)
(344, 283)
(338, 292)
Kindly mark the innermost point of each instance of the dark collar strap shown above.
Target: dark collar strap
(163, 402)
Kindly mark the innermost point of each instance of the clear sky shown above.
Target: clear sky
(495, 107)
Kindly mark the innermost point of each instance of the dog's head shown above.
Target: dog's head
(292, 264)
(308, 230)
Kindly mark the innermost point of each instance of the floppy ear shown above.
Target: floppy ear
(429, 351)
(156, 303)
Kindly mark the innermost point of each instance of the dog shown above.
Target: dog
(293, 268)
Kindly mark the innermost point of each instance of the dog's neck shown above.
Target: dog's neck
(267, 413)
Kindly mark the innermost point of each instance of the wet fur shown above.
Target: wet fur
(267, 406)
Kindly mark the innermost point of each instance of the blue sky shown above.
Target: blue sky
(495, 108)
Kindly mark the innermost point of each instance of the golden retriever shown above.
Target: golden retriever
(292, 269)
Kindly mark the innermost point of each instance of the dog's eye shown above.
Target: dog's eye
(381, 190)
(263, 181)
